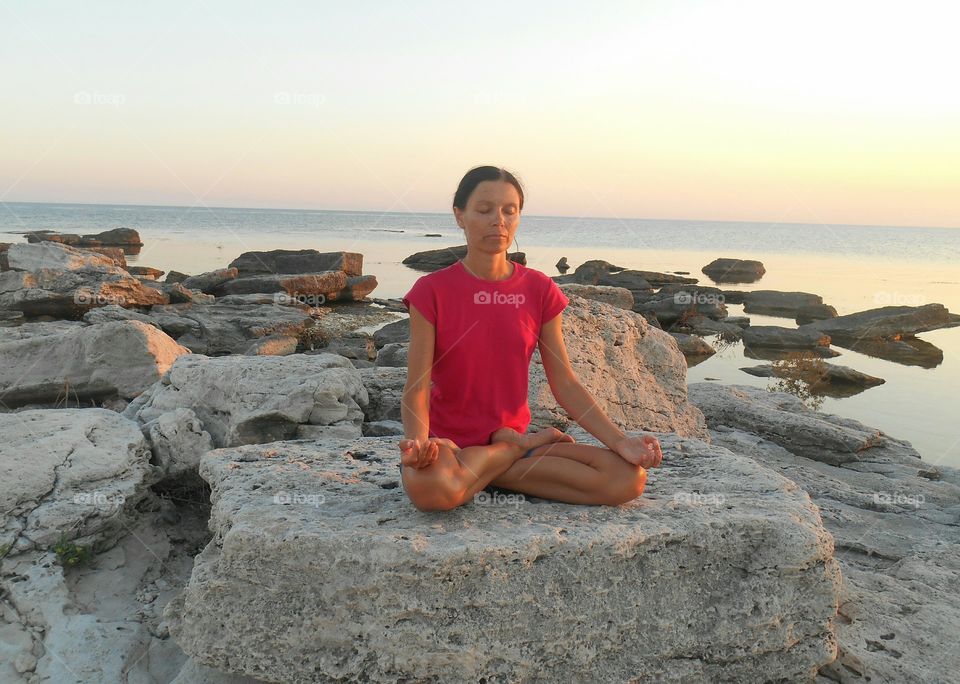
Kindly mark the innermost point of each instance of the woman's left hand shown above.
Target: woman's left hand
(643, 450)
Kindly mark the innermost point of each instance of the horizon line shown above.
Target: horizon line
(439, 213)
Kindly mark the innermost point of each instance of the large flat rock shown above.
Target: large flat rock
(321, 570)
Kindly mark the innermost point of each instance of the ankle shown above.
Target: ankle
(507, 435)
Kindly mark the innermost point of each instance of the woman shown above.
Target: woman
(473, 328)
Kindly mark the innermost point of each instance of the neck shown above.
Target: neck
(488, 266)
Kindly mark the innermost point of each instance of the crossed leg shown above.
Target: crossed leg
(562, 471)
(575, 473)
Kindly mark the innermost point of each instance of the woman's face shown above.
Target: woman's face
(491, 217)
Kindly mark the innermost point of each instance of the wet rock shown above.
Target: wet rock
(887, 322)
(775, 303)
(784, 338)
(814, 312)
(724, 270)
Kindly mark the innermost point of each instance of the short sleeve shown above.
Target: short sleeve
(554, 301)
(422, 296)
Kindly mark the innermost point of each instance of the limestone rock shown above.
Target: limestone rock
(298, 261)
(214, 329)
(124, 237)
(72, 473)
(255, 399)
(320, 569)
(396, 331)
(894, 518)
(635, 371)
(178, 440)
(394, 354)
(56, 257)
(121, 358)
(616, 296)
(210, 281)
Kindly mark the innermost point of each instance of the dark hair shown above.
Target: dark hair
(477, 175)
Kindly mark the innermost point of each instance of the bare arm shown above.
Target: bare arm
(570, 394)
(415, 404)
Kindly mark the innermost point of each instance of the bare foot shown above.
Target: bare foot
(529, 440)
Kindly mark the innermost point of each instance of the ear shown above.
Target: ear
(458, 215)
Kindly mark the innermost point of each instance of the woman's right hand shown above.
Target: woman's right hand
(416, 453)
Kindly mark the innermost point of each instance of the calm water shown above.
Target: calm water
(852, 267)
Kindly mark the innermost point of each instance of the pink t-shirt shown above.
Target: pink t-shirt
(486, 332)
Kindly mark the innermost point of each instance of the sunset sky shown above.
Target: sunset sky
(825, 112)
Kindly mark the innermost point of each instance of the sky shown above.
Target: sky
(841, 112)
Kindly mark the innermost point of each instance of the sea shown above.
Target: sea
(852, 267)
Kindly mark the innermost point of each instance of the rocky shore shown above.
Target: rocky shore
(200, 486)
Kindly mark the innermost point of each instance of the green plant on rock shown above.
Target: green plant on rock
(70, 554)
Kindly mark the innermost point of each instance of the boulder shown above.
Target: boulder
(910, 351)
(893, 517)
(312, 289)
(616, 296)
(562, 265)
(635, 371)
(674, 305)
(384, 386)
(210, 281)
(785, 420)
(56, 257)
(297, 261)
(320, 569)
(887, 322)
(255, 399)
(215, 329)
(725, 328)
(724, 270)
(819, 376)
(394, 354)
(178, 440)
(784, 338)
(114, 312)
(435, 259)
(118, 237)
(693, 345)
(775, 303)
(599, 272)
(396, 331)
(120, 358)
(71, 474)
(146, 272)
(814, 312)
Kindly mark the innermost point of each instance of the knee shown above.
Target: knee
(628, 487)
(432, 488)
